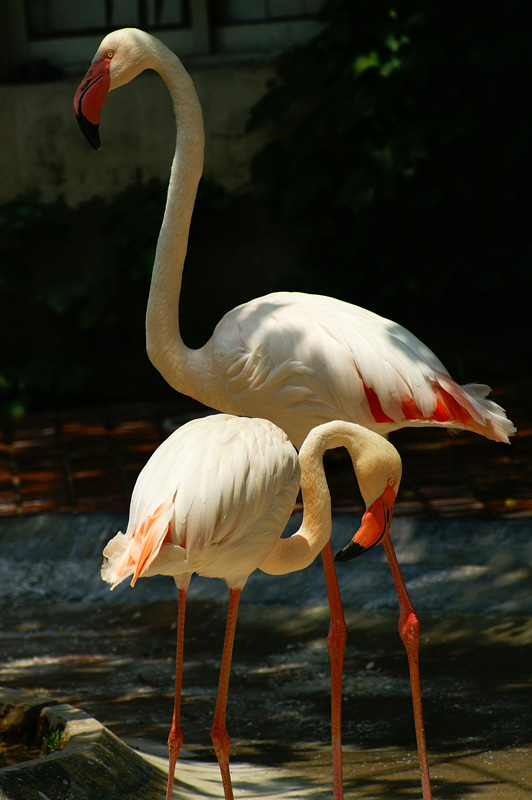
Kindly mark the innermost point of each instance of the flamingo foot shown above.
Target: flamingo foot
(222, 745)
(175, 741)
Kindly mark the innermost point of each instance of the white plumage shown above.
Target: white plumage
(301, 360)
(215, 497)
(225, 488)
(298, 360)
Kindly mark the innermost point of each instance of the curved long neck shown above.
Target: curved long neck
(374, 460)
(176, 362)
(299, 550)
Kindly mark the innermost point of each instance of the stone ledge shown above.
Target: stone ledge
(91, 764)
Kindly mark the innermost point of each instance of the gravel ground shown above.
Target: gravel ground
(112, 654)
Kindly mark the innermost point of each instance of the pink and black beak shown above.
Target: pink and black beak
(90, 99)
(375, 525)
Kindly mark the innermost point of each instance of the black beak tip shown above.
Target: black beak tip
(350, 551)
(89, 131)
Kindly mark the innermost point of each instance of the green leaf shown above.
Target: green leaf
(363, 63)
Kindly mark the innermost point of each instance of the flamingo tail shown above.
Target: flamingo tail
(466, 407)
(132, 553)
(470, 407)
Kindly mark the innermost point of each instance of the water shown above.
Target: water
(470, 566)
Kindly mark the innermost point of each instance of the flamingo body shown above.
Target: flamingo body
(215, 497)
(212, 499)
(295, 359)
(302, 360)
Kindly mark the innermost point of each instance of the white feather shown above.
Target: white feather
(225, 480)
(302, 359)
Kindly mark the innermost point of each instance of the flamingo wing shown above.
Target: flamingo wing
(304, 359)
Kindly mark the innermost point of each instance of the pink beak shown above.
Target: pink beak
(90, 99)
(374, 528)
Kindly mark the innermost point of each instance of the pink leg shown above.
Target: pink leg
(409, 633)
(219, 735)
(336, 646)
(175, 738)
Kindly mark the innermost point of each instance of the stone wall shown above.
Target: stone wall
(43, 152)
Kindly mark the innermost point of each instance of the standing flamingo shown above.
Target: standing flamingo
(298, 360)
(214, 499)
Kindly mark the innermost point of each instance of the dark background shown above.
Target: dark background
(397, 178)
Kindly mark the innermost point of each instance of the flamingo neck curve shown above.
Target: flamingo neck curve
(299, 550)
(185, 369)
(373, 457)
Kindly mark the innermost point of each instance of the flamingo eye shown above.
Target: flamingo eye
(391, 481)
(110, 54)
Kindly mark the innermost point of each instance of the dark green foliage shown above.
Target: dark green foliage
(402, 166)
(73, 290)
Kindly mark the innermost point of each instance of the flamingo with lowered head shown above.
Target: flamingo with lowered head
(298, 360)
(214, 499)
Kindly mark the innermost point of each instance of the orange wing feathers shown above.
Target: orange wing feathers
(147, 539)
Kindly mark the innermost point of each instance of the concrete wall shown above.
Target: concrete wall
(42, 150)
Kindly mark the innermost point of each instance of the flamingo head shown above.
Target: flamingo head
(121, 56)
(375, 525)
(378, 469)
